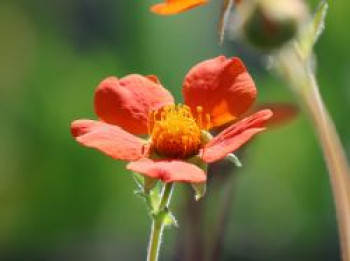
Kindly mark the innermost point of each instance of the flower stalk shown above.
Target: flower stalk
(159, 217)
(335, 158)
(223, 217)
(297, 69)
(296, 64)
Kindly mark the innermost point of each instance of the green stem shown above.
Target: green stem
(300, 75)
(154, 244)
(158, 223)
(335, 159)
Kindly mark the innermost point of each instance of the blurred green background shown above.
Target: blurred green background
(59, 201)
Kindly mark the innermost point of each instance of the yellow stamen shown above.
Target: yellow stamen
(175, 132)
(199, 116)
(207, 122)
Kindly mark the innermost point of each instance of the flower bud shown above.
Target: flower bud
(268, 24)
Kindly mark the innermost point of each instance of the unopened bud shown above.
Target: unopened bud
(268, 24)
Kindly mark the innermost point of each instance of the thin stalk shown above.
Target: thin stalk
(335, 158)
(189, 243)
(158, 223)
(223, 218)
(154, 245)
(299, 73)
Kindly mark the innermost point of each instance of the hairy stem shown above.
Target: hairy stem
(299, 73)
(158, 223)
(335, 158)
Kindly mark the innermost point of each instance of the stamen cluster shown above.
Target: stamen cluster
(175, 132)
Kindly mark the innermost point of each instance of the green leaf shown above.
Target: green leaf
(197, 160)
(138, 180)
(154, 198)
(169, 219)
(144, 183)
(311, 33)
(234, 159)
(148, 191)
(140, 194)
(199, 189)
(318, 22)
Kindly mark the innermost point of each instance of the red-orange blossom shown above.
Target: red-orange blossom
(170, 7)
(176, 6)
(216, 91)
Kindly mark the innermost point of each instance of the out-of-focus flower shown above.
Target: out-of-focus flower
(216, 92)
(169, 7)
(266, 24)
(269, 24)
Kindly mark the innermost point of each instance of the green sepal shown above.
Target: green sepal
(166, 217)
(140, 194)
(234, 159)
(154, 197)
(147, 190)
(197, 160)
(199, 189)
(312, 31)
(206, 136)
(169, 219)
(139, 180)
(144, 183)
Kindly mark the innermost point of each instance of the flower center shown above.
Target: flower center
(175, 132)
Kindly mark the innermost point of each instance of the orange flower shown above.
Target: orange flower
(216, 92)
(176, 6)
(169, 7)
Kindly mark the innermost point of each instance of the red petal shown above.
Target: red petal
(126, 102)
(222, 86)
(110, 139)
(168, 170)
(235, 136)
(176, 6)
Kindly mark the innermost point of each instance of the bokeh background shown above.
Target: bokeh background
(59, 201)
